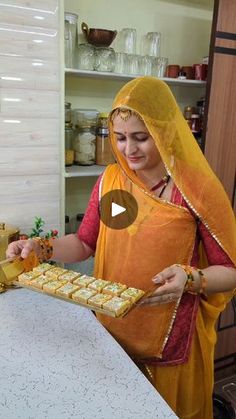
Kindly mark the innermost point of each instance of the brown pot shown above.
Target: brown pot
(98, 37)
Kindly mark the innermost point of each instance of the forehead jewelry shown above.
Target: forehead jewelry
(124, 113)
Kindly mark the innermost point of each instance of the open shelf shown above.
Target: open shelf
(127, 77)
(81, 171)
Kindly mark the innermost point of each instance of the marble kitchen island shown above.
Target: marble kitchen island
(57, 361)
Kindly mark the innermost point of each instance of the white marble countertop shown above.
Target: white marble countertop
(57, 361)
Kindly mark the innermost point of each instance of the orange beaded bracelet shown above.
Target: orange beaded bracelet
(46, 249)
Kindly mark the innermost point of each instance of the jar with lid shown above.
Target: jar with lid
(196, 128)
(84, 146)
(104, 154)
(69, 137)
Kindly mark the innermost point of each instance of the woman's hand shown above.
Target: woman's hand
(172, 281)
(22, 248)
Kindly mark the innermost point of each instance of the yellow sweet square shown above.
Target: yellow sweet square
(27, 277)
(83, 294)
(117, 305)
(98, 284)
(42, 268)
(98, 300)
(53, 285)
(69, 276)
(54, 273)
(132, 294)
(115, 288)
(84, 280)
(67, 289)
(39, 281)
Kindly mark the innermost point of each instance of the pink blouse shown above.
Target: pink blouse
(89, 229)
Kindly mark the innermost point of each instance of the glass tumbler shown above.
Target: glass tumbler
(134, 64)
(85, 57)
(70, 38)
(160, 67)
(126, 41)
(121, 62)
(152, 44)
(104, 59)
(147, 65)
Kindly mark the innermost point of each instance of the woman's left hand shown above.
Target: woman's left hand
(172, 281)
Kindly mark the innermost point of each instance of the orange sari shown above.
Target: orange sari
(163, 234)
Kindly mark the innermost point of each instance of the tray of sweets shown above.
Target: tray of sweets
(110, 298)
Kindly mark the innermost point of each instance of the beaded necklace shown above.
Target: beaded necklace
(163, 182)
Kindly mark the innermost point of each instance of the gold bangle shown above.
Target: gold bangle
(190, 278)
(203, 282)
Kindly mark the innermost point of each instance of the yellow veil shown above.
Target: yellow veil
(152, 99)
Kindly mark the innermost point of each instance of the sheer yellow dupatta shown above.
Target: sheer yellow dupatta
(161, 235)
(154, 102)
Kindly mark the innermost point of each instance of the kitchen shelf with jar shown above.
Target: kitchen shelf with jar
(127, 77)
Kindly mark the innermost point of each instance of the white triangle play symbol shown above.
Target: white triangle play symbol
(116, 209)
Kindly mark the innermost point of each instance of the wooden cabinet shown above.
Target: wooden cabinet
(220, 142)
(220, 139)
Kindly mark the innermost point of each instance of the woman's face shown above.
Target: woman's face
(135, 143)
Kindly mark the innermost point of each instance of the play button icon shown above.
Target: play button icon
(118, 209)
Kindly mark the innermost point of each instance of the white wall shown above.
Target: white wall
(30, 113)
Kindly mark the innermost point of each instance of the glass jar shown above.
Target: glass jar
(69, 152)
(105, 59)
(104, 154)
(70, 38)
(68, 112)
(84, 146)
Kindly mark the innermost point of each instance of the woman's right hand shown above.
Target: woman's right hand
(22, 248)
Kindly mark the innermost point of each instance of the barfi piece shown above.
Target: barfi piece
(117, 305)
(132, 294)
(69, 276)
(39, 281)
(27, 277)
(98, 284)
(54, 273)
(52, 286)
(115, 288)
(83, 294)
(99, 299)
(84, 281)
(67, 289)
(42, 268)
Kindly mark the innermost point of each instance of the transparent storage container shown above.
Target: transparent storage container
(85, 118)
(70, 38)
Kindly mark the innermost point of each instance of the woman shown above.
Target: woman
(171, 335)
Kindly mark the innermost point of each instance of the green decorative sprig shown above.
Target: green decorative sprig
(37, 230)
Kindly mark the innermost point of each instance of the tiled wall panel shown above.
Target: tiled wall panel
(30, 113)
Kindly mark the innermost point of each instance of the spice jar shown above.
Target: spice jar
(104, 154)
(188, 111)
(68, 112)
(196, 124)
(69, 152)
(84, 146)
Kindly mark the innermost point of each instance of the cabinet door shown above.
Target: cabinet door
(220, 144)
